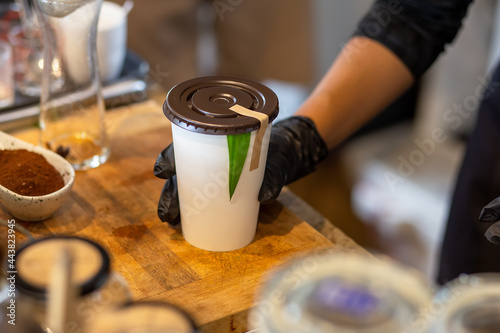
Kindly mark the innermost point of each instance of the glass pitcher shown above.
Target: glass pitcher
(72, 110)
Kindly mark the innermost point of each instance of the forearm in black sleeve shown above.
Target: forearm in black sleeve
(415, 30)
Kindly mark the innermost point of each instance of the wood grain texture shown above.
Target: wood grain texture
(115, 205)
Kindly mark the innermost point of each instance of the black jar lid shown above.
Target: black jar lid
(39, 255)
(203, 104)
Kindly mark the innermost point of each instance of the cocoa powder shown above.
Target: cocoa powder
(28, 173)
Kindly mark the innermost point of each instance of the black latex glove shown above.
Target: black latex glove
(168, 205)
(491, 213)
(295, 149)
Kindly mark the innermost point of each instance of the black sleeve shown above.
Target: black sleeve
(415, 30)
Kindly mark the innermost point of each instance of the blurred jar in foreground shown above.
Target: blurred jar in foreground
(150, 317)
(97, 288)
(13, 232)
(23, 325)
(72, 115)
(3, 280)
(341, 294)
(468, 304)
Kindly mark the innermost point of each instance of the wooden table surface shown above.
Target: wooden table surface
(116, 203)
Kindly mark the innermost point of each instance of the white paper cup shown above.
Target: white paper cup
(217, 212)
(111, 40)
(210, 219)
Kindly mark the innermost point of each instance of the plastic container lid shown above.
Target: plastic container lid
(342, 294)
(203, 104)
(468, 304)
(35, 262)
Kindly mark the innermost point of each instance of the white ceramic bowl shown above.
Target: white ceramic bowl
(37, 208)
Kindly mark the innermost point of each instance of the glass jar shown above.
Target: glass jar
(342, 294)
(151, 317)
(72, 114)
(468, 304)
(6, 75)
(97, 288)
(28, 61)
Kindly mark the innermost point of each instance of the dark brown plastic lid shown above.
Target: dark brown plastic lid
(202, 104)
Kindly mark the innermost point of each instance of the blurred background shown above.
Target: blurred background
(388, 186)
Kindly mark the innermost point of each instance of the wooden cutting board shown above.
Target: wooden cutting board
(116, 203)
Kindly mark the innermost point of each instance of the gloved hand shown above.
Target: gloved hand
(295, 149)
(168, 206)
(491, 213)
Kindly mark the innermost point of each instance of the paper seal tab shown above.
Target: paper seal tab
(264, 122)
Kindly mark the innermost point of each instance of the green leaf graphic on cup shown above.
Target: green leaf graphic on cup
(238, 149)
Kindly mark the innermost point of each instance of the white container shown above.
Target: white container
(210, 220)
(215, 215)
(111, 40)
